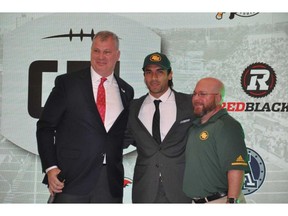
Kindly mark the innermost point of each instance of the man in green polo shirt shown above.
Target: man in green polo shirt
(216, 154)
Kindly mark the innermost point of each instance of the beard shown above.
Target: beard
(201, 109)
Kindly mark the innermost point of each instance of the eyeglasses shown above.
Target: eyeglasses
(203, 94)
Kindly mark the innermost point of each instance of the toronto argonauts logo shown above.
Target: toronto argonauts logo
(255, 178)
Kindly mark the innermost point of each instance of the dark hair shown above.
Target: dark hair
(170, 82)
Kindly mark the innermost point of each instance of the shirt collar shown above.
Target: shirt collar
(96, 77)
(163, 97)
(213, 118)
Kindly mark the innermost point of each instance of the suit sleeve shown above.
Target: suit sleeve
(128, 138)
(47, 124)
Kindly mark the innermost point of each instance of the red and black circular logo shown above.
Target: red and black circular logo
(258, 80)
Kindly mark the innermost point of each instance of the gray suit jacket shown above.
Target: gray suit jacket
(166, 158)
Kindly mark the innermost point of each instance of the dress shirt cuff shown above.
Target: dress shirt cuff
(50, 168)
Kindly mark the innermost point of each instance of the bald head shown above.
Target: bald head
(211, 85)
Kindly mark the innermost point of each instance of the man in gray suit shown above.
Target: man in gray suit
(159, 169)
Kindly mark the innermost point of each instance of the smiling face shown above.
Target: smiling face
(104, 55)
(203, 105)
(156, 79)
(207, 97)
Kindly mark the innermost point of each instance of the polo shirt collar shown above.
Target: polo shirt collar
(214, 118)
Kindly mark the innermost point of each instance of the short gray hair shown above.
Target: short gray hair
(104, 35)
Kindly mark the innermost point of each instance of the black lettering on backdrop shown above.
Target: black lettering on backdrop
(35, 80)
(35, 84)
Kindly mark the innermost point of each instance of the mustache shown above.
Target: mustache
(197, 104)
(154, 82)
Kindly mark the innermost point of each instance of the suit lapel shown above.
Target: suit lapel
(181, 115)
(87, 93)
(124, 98)
(138, 104)
(123, 92)
(87, 89)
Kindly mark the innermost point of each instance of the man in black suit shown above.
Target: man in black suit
(159, 169)
(74, 140)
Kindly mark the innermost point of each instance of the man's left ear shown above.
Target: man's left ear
(170, 75)
(219, 99)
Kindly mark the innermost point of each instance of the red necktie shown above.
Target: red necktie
(101, 99)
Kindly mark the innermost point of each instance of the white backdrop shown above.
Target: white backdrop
(198, 44)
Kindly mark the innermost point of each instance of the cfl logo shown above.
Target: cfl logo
(258, 80)
(36, 70)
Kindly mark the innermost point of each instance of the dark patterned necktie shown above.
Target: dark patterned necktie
(101, 99)
(156, 122)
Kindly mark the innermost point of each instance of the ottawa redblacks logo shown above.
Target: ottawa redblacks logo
(258, 80)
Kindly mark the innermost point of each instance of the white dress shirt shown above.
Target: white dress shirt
(114, 104)
(167, 109)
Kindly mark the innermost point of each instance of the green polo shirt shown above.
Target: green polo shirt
(212, 149)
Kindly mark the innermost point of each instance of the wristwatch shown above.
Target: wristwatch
(232, 200)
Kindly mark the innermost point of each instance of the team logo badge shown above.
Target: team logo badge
(204, 135)
(254, 179)
(155, 58)
(258, 80)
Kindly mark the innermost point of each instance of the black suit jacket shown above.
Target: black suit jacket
(167, 158)
(71, 135)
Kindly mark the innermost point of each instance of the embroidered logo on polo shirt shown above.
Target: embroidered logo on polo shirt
(204, 135)
(239, 161)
